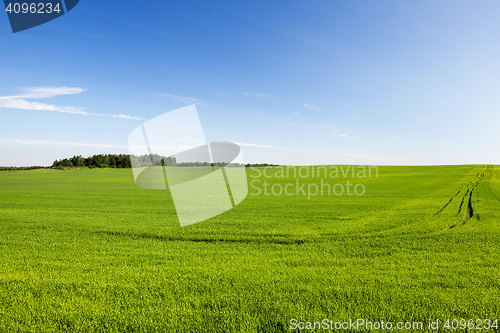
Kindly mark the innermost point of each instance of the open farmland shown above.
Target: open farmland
(88, 250)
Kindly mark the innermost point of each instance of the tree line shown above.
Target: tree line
(96, 161)
(23, 168)
(129, 161)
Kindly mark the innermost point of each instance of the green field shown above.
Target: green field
(88, 250)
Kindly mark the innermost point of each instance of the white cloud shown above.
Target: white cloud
(361, 118)
(264, 96)
(20, 101)
(59, 143)
(245, 93)
(257, 145)
(310, 106)
(45, 92)
(320, 127)
(25, 105)
(346, 136)
(182, 99)
(221, 95)
(189, 100)
(124, 116)
(158, 149)
(93, 36)
(328, 151)
(275, 147)
(121, 116)
(304, 125)
(358, 155)
(296, 113)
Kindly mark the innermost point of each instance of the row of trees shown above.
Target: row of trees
(257, 165)
(148, 160)
(23, 168)
(96, 161)
(127, 161)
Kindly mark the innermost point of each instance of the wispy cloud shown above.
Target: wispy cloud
(310, 106)
(189, 100)
(59, 143)
(258, 95)
(346, 136)
(25, 105)
(277, 148)
(328, 151)
(321, 127)
(120, 116)
(258, 145)
(296, 113)
(182, 99)
(361, 118)
(304, 125)
(45, 92)
(20, 101)
(308, 125)
(101, 145)
(358, 155)
(264, 96)
(90, 35)
(221, 95)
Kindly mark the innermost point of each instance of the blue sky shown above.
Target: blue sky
(294, 82)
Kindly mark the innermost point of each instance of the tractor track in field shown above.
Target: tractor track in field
(471, 186)
(446, 204)
(466, 198)
(489, 181)
(462, 202)
(466, 206)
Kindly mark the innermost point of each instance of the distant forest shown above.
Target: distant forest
(96, 161)
(126, 161)
(23, 168)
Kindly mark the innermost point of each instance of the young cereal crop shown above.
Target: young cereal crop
(88, 250)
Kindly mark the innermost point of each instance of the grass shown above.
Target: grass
(88, 250)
